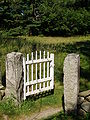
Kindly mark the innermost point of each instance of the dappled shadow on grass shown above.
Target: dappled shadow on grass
(62, 116)
(77, 47)
(83, 49)
(40, 95)
(85, 73)
(85, 78)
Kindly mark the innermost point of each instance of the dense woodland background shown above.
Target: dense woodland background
(45, 17)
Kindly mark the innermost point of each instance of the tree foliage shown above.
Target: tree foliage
(47, 17)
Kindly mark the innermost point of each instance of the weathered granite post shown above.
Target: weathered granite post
(14, 76)
(71, 82)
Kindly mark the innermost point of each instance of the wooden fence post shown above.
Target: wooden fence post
(24, 70)
(52, 70)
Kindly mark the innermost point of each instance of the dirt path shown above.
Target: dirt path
(44, 114)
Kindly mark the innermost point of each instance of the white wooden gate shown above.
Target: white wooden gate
(38, 73)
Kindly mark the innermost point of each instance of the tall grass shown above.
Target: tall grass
(32, 105)
(56, 40)
(60, 47)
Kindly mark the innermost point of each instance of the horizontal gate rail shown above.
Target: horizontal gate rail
(38, 81)
(38, 91)
(38, 61)
(38, 73)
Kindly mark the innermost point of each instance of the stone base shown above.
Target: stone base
(84, 102)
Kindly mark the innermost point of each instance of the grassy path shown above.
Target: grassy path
(33, 109)
(44, 114)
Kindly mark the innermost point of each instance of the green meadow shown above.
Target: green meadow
(60, 46)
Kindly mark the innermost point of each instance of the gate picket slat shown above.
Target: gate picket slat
(32, 69)
(36, 70)
(47, 68)
(24, 69)
(40, 71)
(44, 69)
(28, 72)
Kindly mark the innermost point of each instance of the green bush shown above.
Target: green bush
(66, 22)
(15, 31)
(51, 18)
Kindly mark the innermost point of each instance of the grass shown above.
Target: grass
(60, 46)
(62, 116)
(56, 40)
(30, 106)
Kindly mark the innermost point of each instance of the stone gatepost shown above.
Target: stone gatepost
(14, 76)
(71, 82)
